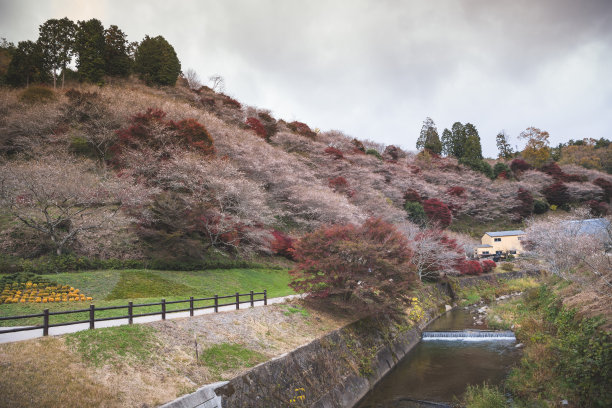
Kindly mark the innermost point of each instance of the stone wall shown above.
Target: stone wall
(335, 371)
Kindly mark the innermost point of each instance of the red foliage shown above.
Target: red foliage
(282, 244)
(438, 212)
(556, 194)
(337, 153)
(365, 266)
(229, 101)
(519, 165)
(606, 186)
(456, 191)
(488, 265)
(525, 208)
(555, 171)
(144, 131)
(412, 195)
(598, 208)
(301, 129)
(359, 146)
(338, 184)
(257, 127)
(470, 268)
(392, 153)
(503, 175)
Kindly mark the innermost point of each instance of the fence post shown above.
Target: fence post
(265, 297)
(163, 309)
(216, 303)
(252, 301)
(130, 312)
(92, 318)
(237, 300)
(46, 322)
(191, 306)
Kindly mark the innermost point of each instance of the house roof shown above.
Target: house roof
(505, 233)
(593, 226)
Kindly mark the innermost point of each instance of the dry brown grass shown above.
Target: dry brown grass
(48, 373)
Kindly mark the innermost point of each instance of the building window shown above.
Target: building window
(497, 239)
(485, 252)
(498, 252)
(513, 252)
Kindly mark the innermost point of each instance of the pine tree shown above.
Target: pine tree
(472, 151)
(89, 47)
(156, 61)
(457, 140)
(447, 142)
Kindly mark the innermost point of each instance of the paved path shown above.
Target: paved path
(55, 331)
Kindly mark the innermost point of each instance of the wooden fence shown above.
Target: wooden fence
(46, 314)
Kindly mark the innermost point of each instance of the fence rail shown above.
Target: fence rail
(46, 314)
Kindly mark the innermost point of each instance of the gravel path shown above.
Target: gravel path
(56, 331)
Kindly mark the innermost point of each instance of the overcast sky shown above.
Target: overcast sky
(375, 69)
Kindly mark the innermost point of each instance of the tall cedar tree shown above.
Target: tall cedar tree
(56, 39)
(156, 62)
(7, 50)
(89, 48)
(428, 138)
(503, 146)
(447, 142)
(26, 65)
(457, 141)
(117, 61)
(362, 267)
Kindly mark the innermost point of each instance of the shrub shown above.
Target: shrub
(519, 165)
(488, 265)
(557, 194)
(282, 244)
(456, 191)
(501, 170)
(231, 102)
(359, 146)
(525, 208)
(598, 208)
(365, 267)
(392, 152)
(374, 152)
(412, 195)
(37, 94)
(337, 153)
(470, 268)
(193, 134)
(416, 213)
(301, 129)
(507, 266)
(257, 127)
(540, 206)
(438, 212)
(606, 186)
(552, 169)
(338, 183)
(484, 396)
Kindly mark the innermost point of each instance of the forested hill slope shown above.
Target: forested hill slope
(129, 171)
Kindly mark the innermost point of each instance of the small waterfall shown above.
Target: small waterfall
(469, 335)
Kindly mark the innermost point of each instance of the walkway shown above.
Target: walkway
(56, 331)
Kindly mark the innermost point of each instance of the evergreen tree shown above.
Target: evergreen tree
(456, 146)
(117, 61)
(505, 150)
(429, 139)
(26, 65)
(56, 39)
(447, 142)
(156, 61)
(89, 47)
(472, 151)
(7, 49)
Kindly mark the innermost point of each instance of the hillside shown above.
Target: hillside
(171, 173)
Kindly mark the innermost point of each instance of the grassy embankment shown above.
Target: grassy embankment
(114, 288)
(567, 356)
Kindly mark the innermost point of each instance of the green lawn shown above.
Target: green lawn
(117, 287)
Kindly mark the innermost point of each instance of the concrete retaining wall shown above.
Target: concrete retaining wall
(335, 371)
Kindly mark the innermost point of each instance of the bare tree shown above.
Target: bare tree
(217, 83)
(59, 198)
(193, 79)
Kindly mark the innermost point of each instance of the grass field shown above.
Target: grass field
(117, 287)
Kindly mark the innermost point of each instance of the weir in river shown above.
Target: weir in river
(453, 354)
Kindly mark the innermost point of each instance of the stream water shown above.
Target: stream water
(439, 369)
